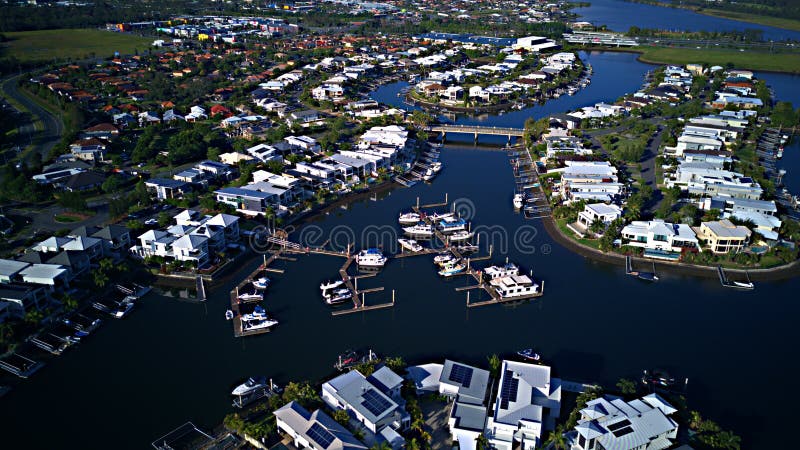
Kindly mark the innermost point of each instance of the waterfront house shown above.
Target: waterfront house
(192, 248)
(528, 403)
(612, 423)
(364, 400)
(468, 384)
(723, 236)
(589, 180)
(315, 430)
(116, 239)
(598, 211)
(52, 275)
(17, 299)
(705, 178)
(659, 235)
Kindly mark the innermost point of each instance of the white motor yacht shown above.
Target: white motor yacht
(371, 257)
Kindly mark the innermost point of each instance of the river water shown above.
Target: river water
(620, 15)
(171, 361)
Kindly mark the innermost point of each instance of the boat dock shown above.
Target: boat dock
(238, 330)
(725, 281)
(477, 275)
(19, 365)
(359, 297)
(647, 276)
(526, 176)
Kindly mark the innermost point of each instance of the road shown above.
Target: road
(42, 141)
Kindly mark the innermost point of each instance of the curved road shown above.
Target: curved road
(44, 140)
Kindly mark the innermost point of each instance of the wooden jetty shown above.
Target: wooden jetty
(359, 297)
(238, 330)
(647, 276)
(725, 281)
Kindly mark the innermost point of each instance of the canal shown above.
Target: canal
(171, 361)
(620, 15)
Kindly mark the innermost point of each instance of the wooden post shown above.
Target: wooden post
(417, 202)
(392, 297)
(491, 247)
(467, 298)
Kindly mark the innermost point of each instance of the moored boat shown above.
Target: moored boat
(261, 324)
(420, 229)
(371, 257)
(444, 258)
(450, 270)
(529, 354)
(452, 224)
(338, 296)
(261, 283)
(328, 285)
(462, 235)
(410, 245)
(409, 218)
(250, 386)
(251, 296)
(518, 201)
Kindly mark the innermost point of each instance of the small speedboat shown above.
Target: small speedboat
(452, 269)
(409, 218)
(328, 285)
(252, 325)
(250, 386)
(251, 296)
(461, 235)
(429, 174)
(410, 245)
(658, 378)
(338, 296)
(228, 315)
(518, 201)
(529, 354)
(441, 216)
(436, 166)
(261, 283)
(744, 285)
(444, 258)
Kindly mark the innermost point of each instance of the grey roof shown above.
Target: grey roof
(239, 192)
(9, 267)
(301, 421)
(42, 272)
(351, 388)
(476, 391)
(166, 183)
(84, 231)
(32, 257)
(385, 379)
(83, 179)
(469, 416)
(629, 425)
(69, 258)
(110, 232)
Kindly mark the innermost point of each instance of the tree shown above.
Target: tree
(556, 439)
(70, 303)
(481, 442)
(597, 226)
(494, 364)
(33, 317)
(100, 277)
(73, 201)
(626, 386)
(383, 445)
(342, 417)
(112, 184)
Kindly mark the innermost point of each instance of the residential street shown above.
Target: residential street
(43, 140)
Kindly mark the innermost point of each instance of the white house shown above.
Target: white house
(315, 430)
(659, 235)
(364, 400)
(599, 211)
(528, 402)
(612, 423)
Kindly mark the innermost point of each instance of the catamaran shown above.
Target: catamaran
(420, 229)
(409, 218)
(462, 235)
(410, 245)
(452, 269)
(371, 257)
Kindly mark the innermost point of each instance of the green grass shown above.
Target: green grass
(47, 45)
(781, 62)
(777, 22)
(562, 225)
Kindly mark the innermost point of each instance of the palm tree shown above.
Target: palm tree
(382, 446)
(695, 420)
(556, 439)
(100, 278)
(413, 445)
(481, 443)
(728, 441)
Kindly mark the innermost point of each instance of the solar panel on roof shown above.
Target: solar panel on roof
(320, 435)
(617, 425)
(461, 375)
(374, 402)
(508, 391)
(623, 431)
